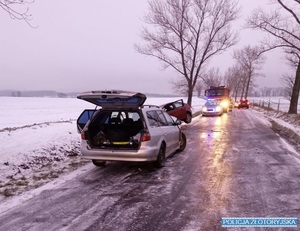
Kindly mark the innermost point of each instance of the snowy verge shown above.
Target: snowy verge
(53, 150)
(43, 147)
(284, 124)
(40, 142)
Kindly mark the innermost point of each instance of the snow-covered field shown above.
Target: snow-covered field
(39, 140)
(275, 103)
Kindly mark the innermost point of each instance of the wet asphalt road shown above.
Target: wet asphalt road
(233, 166)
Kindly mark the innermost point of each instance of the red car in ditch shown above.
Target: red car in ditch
(180, 110)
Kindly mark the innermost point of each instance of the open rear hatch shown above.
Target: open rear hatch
(115, 99)
(118, 124)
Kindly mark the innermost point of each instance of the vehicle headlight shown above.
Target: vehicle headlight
(204, 109)
(225, 104)
(218, 108)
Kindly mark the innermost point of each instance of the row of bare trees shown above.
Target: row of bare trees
(240, 78)
(236, 78)
(283, 25)
(271, 92)
(186, 34)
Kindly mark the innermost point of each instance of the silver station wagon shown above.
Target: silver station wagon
(123, 129)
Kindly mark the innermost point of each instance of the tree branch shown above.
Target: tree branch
(289, 10)
(8, 6)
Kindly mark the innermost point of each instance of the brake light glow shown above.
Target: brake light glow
(83, 136)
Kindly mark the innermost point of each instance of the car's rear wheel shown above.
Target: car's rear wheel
(182, 142)
(161, 157)
(188, 118)
(99, 163)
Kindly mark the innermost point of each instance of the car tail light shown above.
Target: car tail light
(83, 136)
(145, 136)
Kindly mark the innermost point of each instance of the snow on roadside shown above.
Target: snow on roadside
(40, 141)
(290, 121)
(34, 156)
(22, 143)
(11, 202)
(284, 124)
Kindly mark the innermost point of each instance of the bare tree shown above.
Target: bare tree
(212, 77)
(186, 34)
(180, 86)
(200, 86)
(234, 79)
(288, 83)
(283, 25)
(251, 60)
(289, 80)
(12, 7)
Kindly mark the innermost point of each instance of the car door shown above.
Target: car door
(174, 130)
(179, 110)
(167, 124)
(84, 117)
(159, 129)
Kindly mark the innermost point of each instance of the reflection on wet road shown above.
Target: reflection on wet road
(233, 166)
(216, 171)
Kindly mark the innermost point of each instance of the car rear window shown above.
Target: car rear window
(116, 117)
(212, 103)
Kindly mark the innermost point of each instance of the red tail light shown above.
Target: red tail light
(145, 136)
(83, 137)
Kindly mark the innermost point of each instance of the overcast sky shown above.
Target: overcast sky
(88, 45)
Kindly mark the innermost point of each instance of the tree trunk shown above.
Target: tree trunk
(247, 86)
(190, 96)
(243, 92)
(295, 93)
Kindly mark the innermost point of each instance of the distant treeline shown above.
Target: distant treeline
(62, 95)
(37, 94)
